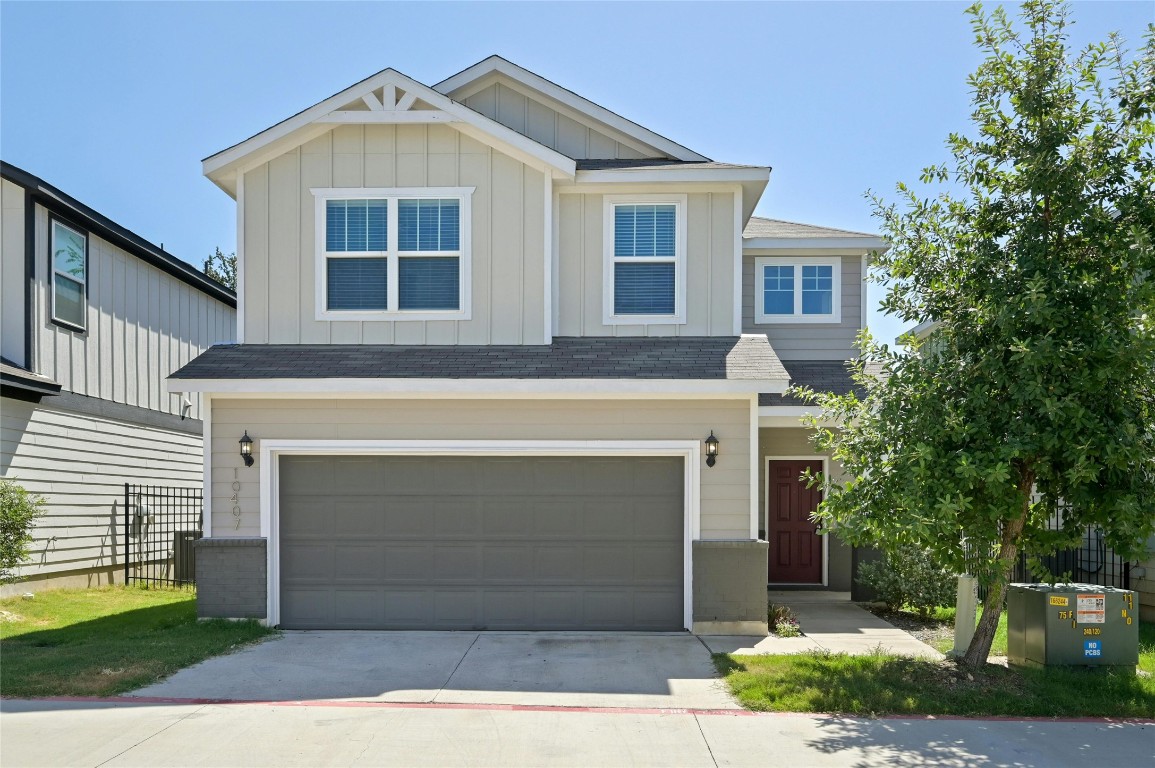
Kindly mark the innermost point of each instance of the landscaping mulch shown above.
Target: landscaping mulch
(934, 632)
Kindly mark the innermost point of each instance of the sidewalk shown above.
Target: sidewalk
(292, 734)
(830, 622)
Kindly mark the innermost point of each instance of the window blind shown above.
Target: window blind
(429, 282)
(357, 284)
(429, 225)
(353, 226)
(643, 289)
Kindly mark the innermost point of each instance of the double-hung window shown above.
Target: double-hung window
(393, 254)
(645, 258)
(797, 289)
(69, 275)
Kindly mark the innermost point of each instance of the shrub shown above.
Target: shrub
(782, 621)
(910, 578)
(18, 511)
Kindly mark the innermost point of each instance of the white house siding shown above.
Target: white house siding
(12, 272)
(813, 341)
(80, 462)
(709, 256)
(564, 131)
(142, 325)
(725, 488)
(508, 235)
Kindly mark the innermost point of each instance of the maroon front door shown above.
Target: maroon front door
(795, 547)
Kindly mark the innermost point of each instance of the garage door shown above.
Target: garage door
(467, 542)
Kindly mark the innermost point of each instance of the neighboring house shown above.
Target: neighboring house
(489, 333)
(94, 319)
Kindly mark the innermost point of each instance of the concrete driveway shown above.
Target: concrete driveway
(538, 668)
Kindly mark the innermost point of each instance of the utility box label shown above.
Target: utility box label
(1062, 602)
(1091, 609)
(1092, 648)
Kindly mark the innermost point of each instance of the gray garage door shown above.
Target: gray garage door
(386, 542)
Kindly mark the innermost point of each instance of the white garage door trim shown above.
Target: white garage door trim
(272, 449)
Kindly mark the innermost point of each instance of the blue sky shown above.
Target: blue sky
(117, 103)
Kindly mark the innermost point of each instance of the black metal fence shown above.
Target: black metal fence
(1091, 562)
(160, 525)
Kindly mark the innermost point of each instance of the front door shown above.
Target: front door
(795, 547)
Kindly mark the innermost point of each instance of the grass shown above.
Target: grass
(884, 684)
(102, 642)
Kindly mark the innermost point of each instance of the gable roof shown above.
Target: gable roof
(80, 214)
(468, 79)
(763, 227)
(314, 121)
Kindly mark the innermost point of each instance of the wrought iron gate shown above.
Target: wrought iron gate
(160, 525)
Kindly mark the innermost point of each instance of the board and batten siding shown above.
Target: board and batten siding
(710, 265)
(12, 272)
(725, 488)
(142, 325)
(808, 341)
(79, 463)
(504, 103)
(508, 235)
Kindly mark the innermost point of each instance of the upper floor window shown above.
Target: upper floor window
(393, 254)
(645, 256)
(797, 289)
(69, 275)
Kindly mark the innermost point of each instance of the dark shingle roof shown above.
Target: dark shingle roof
(819, 375)
(651, 162)
(763, 227)
(696, 357)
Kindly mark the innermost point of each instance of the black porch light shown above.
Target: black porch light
(247, 449)
(711, 449)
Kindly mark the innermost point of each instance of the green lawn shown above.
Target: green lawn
(998, 647)
(101, 642)
(885, 684)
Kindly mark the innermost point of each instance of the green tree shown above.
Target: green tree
(222, 268)
(18, 511)
(1035, 396)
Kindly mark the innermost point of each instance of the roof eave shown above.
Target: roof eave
(815, 243)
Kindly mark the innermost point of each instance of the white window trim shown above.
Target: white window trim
(270, 451)
(608, 259)
(52, 225)
(797, 261)
(393, 254)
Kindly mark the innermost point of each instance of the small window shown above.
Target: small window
(797, 290)
(644, 263)
(69, 275)
(393, 254)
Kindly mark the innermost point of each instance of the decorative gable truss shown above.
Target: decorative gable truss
(389, 104)
(388, 97)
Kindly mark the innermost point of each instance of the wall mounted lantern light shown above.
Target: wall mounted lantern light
(247, 449)
(711, 449)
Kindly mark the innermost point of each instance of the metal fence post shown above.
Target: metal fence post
(126, 533)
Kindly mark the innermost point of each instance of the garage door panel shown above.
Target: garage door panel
(358, 517)
(482, 542)
(357, 562)
(407, 517)
(307, 561)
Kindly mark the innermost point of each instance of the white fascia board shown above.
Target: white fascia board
(920, 331)
(469, 388)
(860, 244)
(786, 415)
(220, 167)
(753, 181)
(672, 174)
(568, 98)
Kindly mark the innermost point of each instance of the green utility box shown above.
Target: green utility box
(1072, 625)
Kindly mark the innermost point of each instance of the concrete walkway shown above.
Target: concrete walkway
(288, 735)
(829, 622)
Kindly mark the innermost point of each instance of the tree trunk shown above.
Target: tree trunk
(980, 647)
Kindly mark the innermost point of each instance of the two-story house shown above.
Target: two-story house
(509, 360)
(93, 319)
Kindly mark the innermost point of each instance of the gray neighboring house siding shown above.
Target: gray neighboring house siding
(87, 409)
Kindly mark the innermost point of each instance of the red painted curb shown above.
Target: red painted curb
(355, 704)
